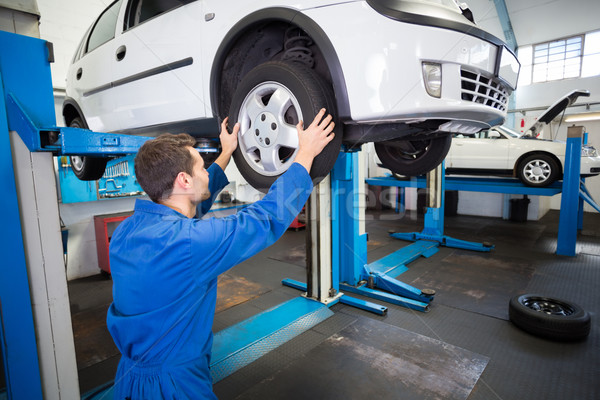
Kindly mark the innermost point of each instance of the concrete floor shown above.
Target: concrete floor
(463, 348)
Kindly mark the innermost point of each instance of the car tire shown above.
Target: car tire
(413, 157)
(268, 103)
(550, 318)
(86, 168)
(538, 170)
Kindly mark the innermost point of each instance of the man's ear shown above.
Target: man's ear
(183, 180)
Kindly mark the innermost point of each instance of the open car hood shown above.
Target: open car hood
(554, 110)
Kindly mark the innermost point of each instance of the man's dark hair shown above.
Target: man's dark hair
(158, 162)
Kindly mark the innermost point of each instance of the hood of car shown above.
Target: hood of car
(554, 110)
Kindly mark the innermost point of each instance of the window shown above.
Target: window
(574, 57)
(557, 60)
(143, 10)
(104, 28)
(591, 55)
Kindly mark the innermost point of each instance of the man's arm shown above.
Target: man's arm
(224, 242)
(229, 143)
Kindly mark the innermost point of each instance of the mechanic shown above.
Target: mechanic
(165, 260)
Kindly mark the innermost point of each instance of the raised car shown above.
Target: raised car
(403, 74)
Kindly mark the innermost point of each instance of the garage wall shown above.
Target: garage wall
(63, 23)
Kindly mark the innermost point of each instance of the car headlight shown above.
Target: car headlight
(432, 75)
(589, 151)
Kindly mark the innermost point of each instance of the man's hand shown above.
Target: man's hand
(229, 143)
(312, 140)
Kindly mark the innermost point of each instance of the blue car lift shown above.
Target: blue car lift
(351, 272)
(28, 108)
(573, 189)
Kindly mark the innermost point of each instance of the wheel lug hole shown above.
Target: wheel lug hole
(267, 141)
(257, 132)
(273, 126)
(263, 117)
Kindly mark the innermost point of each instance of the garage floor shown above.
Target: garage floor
(464, 348)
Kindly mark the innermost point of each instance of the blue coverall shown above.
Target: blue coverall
(164, 268)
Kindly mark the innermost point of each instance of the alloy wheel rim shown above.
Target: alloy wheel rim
(537, 171)
(268, 138)
(77, 163)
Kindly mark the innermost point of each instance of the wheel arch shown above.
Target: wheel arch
(538, 152)
(262, 18)
(71, 110)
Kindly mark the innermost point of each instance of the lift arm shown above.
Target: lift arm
(68, 141)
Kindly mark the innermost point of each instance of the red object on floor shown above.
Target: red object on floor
(296, 224)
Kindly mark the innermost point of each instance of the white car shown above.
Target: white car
(403, 74)
(502, 151)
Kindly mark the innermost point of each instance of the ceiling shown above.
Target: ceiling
(536, 21)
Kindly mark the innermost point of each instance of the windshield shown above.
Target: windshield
(509, 132)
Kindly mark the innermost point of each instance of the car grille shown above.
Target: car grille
(481, 89)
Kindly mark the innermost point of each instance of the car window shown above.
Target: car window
(104, 28)
(80, 47)
(143, 10)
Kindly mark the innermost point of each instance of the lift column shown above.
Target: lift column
(320, 282)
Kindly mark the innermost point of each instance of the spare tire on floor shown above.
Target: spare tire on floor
(551, 318)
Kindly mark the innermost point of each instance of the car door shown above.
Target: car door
(91, 74)
(487, 149)
(157, 69)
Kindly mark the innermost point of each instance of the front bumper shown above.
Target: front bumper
(382, 69)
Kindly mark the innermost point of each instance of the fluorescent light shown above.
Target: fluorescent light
(593, 116)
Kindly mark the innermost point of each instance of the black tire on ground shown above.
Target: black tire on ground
(538, 170)
(413, 157)
(550, 318)
(268, 103)
(86, 168)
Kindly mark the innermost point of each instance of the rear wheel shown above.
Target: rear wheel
(86, 168)
(269, 102)
(538, 170)
(413, 157)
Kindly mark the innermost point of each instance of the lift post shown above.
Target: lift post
(350, 269)
(433, 229)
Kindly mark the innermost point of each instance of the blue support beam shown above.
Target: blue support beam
(387, 297)
(24, 70)
(569, 205)
(473, 184)
(349, 248)
(67, 141)
(245, 342)
(504, 18)
(394, 264)
(345, 299)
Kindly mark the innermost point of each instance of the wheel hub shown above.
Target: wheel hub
(266, 129)
(548, 307)
(537, 171)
